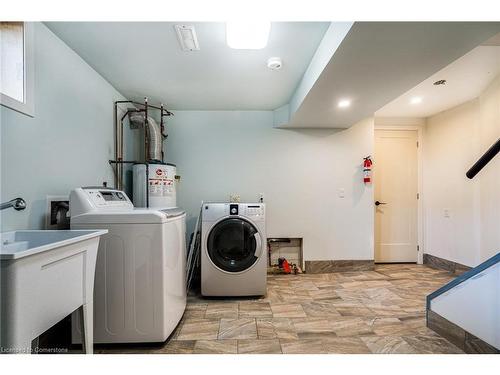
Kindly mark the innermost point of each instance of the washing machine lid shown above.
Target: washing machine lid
(173, 212)
(132, 216)
(234, 244)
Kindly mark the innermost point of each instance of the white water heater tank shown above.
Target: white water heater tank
(154, 185)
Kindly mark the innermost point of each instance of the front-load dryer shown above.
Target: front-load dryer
(140, 277)
(233, 251)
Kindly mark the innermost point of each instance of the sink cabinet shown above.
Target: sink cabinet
(40, 288)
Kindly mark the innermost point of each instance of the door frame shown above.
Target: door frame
(412, 124)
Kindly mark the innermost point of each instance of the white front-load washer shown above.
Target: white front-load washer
(234, 250)
(140, 279)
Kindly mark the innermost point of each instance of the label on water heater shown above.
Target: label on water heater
(160, 183)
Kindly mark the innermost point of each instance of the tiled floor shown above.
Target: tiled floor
(381, 311)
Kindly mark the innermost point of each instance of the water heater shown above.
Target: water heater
(154, 185)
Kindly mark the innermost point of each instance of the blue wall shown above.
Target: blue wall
(299, 171)
(68, 142)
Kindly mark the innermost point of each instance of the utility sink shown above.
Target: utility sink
(45, 275)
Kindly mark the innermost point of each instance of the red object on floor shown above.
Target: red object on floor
(286, 267)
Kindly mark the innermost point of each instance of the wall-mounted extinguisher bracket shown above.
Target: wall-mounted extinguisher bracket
(367, 170)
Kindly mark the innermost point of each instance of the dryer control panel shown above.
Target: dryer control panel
(214, 211)
(253, 210)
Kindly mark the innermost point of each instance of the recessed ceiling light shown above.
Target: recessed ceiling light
(247, 35)
(416, 100)
(344, 103)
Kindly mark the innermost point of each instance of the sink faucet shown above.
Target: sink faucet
(17, 204)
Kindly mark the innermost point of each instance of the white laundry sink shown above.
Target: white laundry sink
(45, 275)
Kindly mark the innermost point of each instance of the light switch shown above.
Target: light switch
(341, 192)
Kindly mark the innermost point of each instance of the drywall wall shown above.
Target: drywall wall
(299, 172)
(450, 199)
(489, 178)
(462, 216)
(69, 141)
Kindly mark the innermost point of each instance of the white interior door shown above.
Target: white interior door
(395, 182)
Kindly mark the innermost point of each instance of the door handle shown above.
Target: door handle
(377, 203)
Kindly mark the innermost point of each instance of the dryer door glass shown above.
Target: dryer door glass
(232, 244)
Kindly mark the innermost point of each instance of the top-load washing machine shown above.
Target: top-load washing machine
(140, 287)
(234, 250)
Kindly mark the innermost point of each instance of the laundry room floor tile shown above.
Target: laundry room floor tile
(320, 309)
(306, 346)
(176, 347)
(216, 347)
(345, 345)
(350, 326)
(244, 328)
(199, 329)
(388, 345)
(259, 346)
(280, 328)
(431, 344)
(376, 311)
(287, 310)
(222, 310)
(255, 310)
(310, 328)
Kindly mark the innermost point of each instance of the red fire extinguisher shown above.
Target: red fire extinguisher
(367, 170)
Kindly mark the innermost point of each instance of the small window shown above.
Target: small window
(16, 66)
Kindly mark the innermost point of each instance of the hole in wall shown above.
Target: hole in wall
(285, 248)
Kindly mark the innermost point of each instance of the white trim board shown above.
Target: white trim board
(27, 106)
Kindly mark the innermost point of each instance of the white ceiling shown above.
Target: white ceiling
(145, 59)
(465, 79)
(379, 61)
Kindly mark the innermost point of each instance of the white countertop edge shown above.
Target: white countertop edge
(54, 245)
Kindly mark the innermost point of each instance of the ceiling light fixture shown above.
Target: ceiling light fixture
(344, 103)
(247, 35)
(416, 100)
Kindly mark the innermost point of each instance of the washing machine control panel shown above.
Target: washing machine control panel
(108, 198)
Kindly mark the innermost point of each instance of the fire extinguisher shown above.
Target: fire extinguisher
(367, 170)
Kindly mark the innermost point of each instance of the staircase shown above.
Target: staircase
(466, 311)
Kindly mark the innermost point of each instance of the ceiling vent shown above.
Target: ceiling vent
(186, 35)
(440, 82)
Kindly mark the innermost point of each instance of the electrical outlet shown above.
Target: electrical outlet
(234, 198)
(57, 211)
